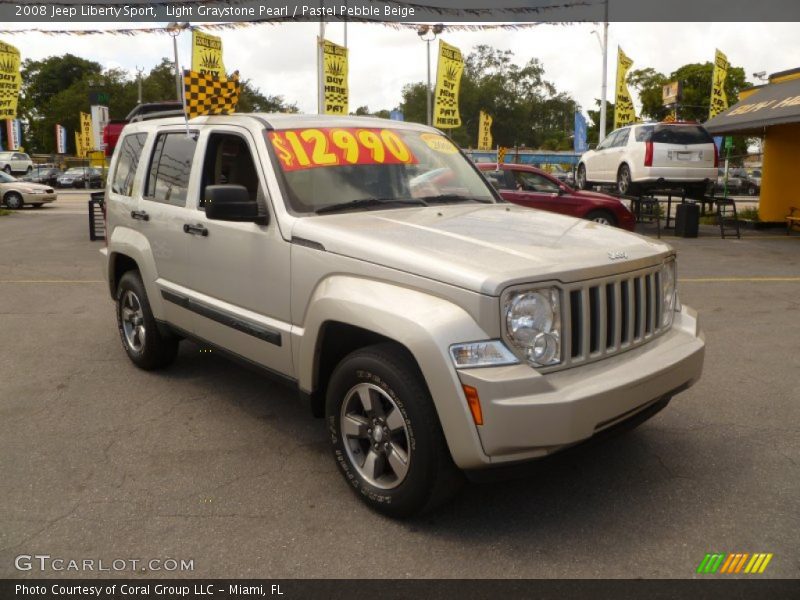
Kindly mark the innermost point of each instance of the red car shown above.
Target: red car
(532, 187)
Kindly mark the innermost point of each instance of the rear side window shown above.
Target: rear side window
(621, 138)
(168, 177)
(680, 134)
(129, 153)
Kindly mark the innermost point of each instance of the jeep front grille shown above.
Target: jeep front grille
(603, 317)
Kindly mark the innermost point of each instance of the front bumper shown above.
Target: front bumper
(29, 198)
(527, 414)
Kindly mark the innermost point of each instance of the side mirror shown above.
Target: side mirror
(230, 203)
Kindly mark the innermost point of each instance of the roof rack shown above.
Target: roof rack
(161, 114)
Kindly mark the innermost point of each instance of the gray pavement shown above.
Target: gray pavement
(210, 462)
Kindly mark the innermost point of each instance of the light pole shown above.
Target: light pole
(175, 29)
(427, 34)
(604, 85)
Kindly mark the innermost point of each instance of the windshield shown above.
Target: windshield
(76, 171)
(355, 168)
(6, 178)
(6, 155)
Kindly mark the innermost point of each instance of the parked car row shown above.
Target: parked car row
(74, 177)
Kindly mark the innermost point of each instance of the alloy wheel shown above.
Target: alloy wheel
(375, 436)
(133, 321)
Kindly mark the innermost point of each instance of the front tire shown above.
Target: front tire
(386, 435)
(146, 346)
(601, 216)
(7, 169)
(14, 201)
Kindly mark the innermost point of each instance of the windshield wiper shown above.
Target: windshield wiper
(371, 203)
(453, 198)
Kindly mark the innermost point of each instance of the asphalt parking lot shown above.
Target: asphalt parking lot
(211, 462)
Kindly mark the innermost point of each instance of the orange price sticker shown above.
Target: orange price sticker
(333, 147)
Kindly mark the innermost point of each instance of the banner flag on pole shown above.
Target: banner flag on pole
(14, 133)
(579, 143)
(87, 140)
(335, 73)
(207, 54)
(485, 131)
(208, 95)
(10, 81)
(448, 81)
(79, 151)
(624, 113)
(719, 101)
(61, 139)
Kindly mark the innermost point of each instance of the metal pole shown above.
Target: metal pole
(604, 88)
(321, 66)
(178, 86)
(139, 82)
(428, 89)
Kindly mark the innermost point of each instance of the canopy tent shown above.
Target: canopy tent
(768, 105)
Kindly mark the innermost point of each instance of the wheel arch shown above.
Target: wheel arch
(364, 312)
(129, 249)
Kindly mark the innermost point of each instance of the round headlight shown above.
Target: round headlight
(533, 324)
(529, 314)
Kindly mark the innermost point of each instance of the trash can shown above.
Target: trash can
(687, 220)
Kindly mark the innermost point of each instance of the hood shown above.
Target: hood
(28, 186)
(597, 196)
(484, 248)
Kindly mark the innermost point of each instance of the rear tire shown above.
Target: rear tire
(29, 169)
(625, 185)
(601, 216)
(14, 201)
(146, 346)
(580, 179)
(386, 435)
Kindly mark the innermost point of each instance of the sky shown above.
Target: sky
(281, 59)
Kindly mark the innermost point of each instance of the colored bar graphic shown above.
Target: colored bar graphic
(734, 562)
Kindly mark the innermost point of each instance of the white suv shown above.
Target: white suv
(15, 162)
(652, 155)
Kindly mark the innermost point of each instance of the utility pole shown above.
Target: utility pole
(139, 82)
(604, 88)
(175, 29)
(321, 64)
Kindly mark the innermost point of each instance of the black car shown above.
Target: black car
(76, 177)
(44, 175)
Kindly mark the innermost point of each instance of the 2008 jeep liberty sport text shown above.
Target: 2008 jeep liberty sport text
(369, 263)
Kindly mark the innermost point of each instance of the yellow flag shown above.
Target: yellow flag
(448, 80)
(485, 132)
(207, 54)
(79, 151)
(86, 133)
(209, 95)
(337, 96)
(624, 113)
(719, 101)
(10, 81)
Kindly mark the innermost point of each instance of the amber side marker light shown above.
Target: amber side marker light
(474, 404)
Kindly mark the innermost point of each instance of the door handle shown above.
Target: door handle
(140, 215)
(195, 230)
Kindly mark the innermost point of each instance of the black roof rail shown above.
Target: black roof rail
(162, 114)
